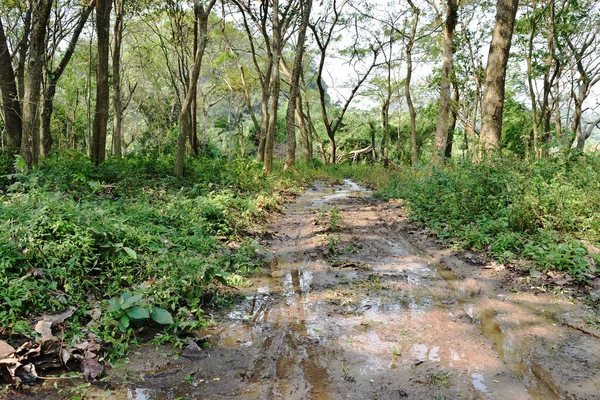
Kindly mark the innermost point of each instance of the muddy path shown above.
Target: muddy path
(356, 303)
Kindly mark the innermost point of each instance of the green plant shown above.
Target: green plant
(510, 208)
(131, 309)
(335, 219)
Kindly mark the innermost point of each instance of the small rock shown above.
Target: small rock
(535, 273)
(192, 350)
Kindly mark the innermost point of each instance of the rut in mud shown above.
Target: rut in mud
(357, 304)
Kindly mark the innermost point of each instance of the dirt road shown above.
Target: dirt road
(359, 304)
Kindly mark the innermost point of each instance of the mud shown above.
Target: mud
(367, 306)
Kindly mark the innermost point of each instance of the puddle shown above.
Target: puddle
(479, 382)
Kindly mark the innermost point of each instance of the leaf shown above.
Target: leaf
(114, 305)
(222, 277)
(131, 301)
(161, 316)
(125, 296)
(130, 252)
(137, 312)
(124, 323)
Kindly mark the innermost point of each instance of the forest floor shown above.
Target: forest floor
(358, 303)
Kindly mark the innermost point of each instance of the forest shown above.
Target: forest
(147, 147)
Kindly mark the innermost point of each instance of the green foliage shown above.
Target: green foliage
(540, 210)
(76, 234)
(131, 309)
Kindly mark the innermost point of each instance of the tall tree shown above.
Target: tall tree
(10, 96)
(103, 8)
(326, 30)
(441, 133)
(290, 158)
(54, 74)
(30, 143)
(185, 123)
(260, 19)
(409, 43)
(116, 67)
(493, 94)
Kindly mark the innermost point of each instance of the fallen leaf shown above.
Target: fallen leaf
(5, 349)
(27, 374)
(91, 368)
(60, 317)
(44, 328)
(65, 355)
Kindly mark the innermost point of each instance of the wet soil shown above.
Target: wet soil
(356, 303)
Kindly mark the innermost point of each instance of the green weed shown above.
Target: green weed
(510, 208)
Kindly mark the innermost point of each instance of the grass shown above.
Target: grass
(74, 234)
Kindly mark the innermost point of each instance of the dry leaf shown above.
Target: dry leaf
(60, 317)
(44, 328)
(5, 349)
(91, 368)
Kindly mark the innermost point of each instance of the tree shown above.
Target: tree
(409, 44)
(54, 74)
(185, 123)
(103, 8)
(325, 31)
(116, 67)
(583, 46)
(30, 143)
(493, 95)
(293, 102)
(10, 96)
(441, 135)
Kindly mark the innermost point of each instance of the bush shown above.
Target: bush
(506, 205)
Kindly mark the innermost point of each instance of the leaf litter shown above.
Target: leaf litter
(27, 363)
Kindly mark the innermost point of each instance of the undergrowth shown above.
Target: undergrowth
(74, 234)
(547, 211)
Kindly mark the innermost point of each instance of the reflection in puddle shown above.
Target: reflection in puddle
(479, 382)
(423, 353)
(140, 394)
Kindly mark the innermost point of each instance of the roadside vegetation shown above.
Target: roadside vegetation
(546, 211)
(127, 244)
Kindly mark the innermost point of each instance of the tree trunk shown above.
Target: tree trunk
(549, 78)
(304, 131)
(530, 77)
(103, 8)
(48, 108)
(414, 151)
(185, 122)
(557, 114)
(30, 143)
(290, 156)
(276, 49)
(453, 119)
(117, 101)
(493, 94)
(10, 97)
(52, 78)
(24, 47)
(441, 134)
(194, 143)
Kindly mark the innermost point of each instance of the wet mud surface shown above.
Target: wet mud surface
(356, 303)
